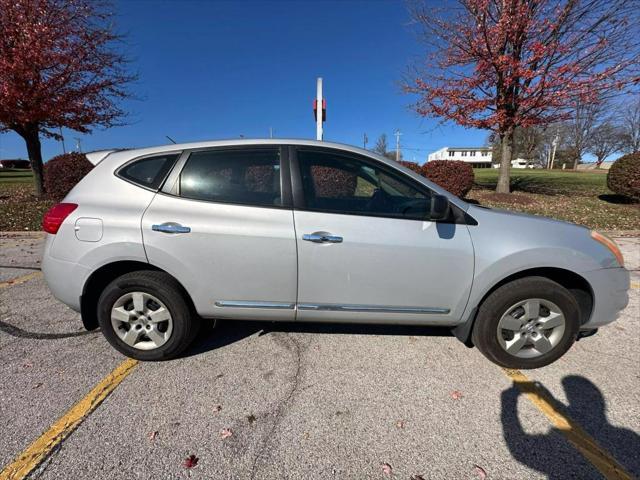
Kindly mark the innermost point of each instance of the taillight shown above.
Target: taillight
(55, 216)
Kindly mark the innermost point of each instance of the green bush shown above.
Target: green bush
(454, 176)
(63, 172)
(623, 177)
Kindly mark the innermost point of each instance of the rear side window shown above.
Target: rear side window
(248, 177)
(149, 172)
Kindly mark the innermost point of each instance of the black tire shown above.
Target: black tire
(485, 328)
(165, 288)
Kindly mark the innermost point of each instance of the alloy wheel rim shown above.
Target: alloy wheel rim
(531, 328)
(141, 320)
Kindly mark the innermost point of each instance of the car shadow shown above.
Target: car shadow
(550, 453)
(227, 332)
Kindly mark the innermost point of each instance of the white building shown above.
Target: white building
(478, 157)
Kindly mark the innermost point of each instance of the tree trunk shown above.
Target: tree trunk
(506, 147)
(32, 138)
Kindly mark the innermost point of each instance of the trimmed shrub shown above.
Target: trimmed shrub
(63, 172)
(411, 166)
(454, 176)
(333, 183)
(623, 177)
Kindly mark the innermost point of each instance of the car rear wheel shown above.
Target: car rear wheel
(146, 316)
(527, 323)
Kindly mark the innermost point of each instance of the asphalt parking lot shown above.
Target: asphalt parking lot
(263, 401)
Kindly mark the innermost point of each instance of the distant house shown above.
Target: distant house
(15, 163)
(520, 163)
(478, 157)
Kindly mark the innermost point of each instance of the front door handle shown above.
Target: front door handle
(170, 227)
(321, 237)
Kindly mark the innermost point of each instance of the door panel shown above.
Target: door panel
(232, 253)
(384, 269)
(225, 235)
(366, 250)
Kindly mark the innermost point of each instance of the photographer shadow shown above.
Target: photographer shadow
(552, 453)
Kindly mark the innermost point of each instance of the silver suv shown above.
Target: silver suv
(154, 240)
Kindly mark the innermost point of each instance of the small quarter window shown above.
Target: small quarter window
(149, 172)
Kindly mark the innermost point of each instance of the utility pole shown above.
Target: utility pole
(365, 140)
(397, 134)
(78, 144)
(64, 149)
(270, 132)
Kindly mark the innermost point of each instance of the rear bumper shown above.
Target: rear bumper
(611, 295)
(64, 279)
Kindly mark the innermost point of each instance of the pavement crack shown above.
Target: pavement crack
(21, 267)
(297, 349)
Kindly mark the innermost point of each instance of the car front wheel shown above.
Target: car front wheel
(146, 316)
(527, 323)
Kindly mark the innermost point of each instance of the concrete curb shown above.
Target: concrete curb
(31, 234)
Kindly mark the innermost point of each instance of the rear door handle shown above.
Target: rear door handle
(321, 237)
(170, 227)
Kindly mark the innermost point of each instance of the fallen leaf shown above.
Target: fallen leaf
(225, 433)
(400, 424)
(482, 473)
(190, 462)
(251, 418)
(217, 408)
(386, 469)
(456, 395)
(37, 385)
(153, 435)
(416, 477)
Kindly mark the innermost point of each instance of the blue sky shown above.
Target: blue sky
(213, 70)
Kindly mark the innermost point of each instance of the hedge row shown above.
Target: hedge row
(63, 172)
(454, 176)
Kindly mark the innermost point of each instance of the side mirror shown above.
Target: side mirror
(439, 208)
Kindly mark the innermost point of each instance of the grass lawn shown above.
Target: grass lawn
(19, 209)
(579, 197)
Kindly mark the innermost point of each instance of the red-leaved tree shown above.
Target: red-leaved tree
(58, 68)
(502, 64)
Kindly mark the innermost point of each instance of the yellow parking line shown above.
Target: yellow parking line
(581, 440)
(19, 280)
(635, 285)
(35, 453)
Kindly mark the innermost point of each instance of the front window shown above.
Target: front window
(249, 177)
(344, 184)
(464, 153)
